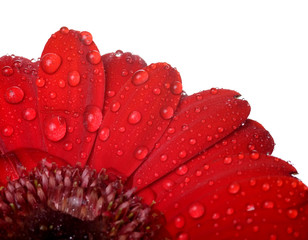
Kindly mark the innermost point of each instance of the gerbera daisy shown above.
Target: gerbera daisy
(108, 147)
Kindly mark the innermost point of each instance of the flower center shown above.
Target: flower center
(73, 203)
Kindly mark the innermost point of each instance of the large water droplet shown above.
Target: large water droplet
(92, 118)
(29, 114)
(183, 236)
(55, 128)
(86, 38)
(196, 210)
(73, 78)
(166, 112)
(14, 95)
(141, 152)
(50, 62)
(94, 57)
(140, 77)
(134, 117)
(182, 170)
(115, 106)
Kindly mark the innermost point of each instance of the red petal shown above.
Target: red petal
(8, 168)
(137, 118)
(119, 67)
(201, 120)
(71, 94)
(251, 197)
(19, 122)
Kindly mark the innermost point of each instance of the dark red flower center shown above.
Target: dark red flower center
(73, 203)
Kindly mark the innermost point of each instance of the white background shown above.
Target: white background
(259, 48)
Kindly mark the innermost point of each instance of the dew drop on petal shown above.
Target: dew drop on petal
(40, 82)
(29, 114)
(68, 146)
(234, 188)
(94, 57)
(183, 236)
(50, 62)
(254, 155)
(86, 38)
(176, 88)
(179, 221)
(140, 77)
(227, 160)
(14, 95)
(182, 170)
(64, 30)
(92, 118)
(134, 117)
(168, 184)
(141, 152)
(115, 106)
(196, 210)
(7, 131)
(7, 71)
(163, 157)
(73, 78)
(214, 91)
(104, 134)
(166, 112)
(292, 213)
(55, 128)
(182, 154)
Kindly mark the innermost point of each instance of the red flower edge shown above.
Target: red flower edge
(207, 168)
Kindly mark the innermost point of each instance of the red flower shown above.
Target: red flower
(197, 159)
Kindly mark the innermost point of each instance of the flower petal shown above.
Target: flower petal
(137, 118)
(252, 196)
(201, 120)
(19, 122)
(119, 67)
(71, 93)
(8, 168)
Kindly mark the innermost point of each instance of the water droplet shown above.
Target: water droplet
(86, 38)
(268, 205)
(254, 155)
(179, 221)
(120, 152)
(168, 184)
(124, 72)
(220, 129)
(166, 112)
(192, 141)
(230, 211)
(55, 128)
(292, 213)
(182, 170)
(141, 152)
(68, 146)
(61, 83)
(7, 131)
(7, 71)
(104, 134)
(163, 157)
(64, 30)
(115, 106)
(40, 82)
(50, 62)
(119, 53)
(182, 154)
(214, 91)
(134, 117)
(53, 95)
(183, 236)
(265, 187)
(176, 87)
(234, 188)
(140, 77)
(29, 114)
(196, 210)
(94, 57)
(92, 118)
(73, 78)
(14, 95)
(227, 160)
(156, 91)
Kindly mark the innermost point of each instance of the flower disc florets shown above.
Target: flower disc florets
(73, 203)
